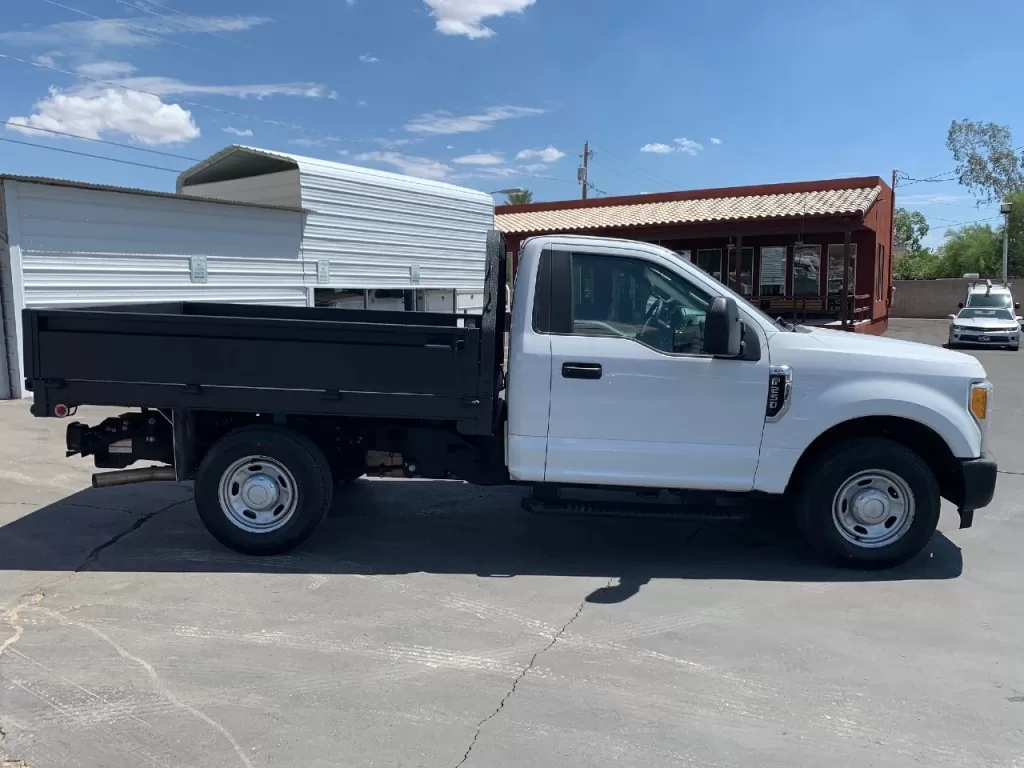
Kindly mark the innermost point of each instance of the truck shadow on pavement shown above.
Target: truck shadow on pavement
(402, 527)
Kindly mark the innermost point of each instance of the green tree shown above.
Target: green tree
(916, 265)
(522, 197)
(911, 227)
(974, 248)
(986, 161)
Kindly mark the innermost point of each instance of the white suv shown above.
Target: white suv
(990, 296)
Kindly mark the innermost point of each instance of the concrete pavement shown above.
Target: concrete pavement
(435, 624)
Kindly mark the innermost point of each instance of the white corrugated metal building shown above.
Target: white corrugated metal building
(247, 226)
(365, 229)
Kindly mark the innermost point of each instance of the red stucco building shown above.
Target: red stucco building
(782, 245)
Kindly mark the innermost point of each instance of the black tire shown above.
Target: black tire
(824, 478)
(298, 455)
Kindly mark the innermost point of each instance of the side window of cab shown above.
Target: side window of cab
(634, 299)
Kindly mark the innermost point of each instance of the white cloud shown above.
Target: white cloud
(445, 123)
(480, 158)
(361, 103)
(684, 145)
(423, 167)
(449, 147)
(94, 110)
(464, 17)
(535, 167)
(169, 86)
(689, 146)
(396, 143)
(715, 141)
(548, 155)
(238, 131)
(367, 58)
(308, 142)
(145, 30)
(104, 70)
(140, 116)
(45, 60)
(343, 152)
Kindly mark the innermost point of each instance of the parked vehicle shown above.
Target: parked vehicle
(979, 326)
(985, 294)
(630, 371)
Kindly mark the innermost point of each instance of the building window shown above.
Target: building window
(746, 282)
(710, 260)
(880, 274)
(773, 270)
(807, 270)
(835, 268)
(637, 301)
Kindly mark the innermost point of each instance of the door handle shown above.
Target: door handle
(581, 371)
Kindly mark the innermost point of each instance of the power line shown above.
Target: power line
(628, 178)
(100, 141)
(170, 17)
(937, 178)
(655, 177)
(133, 30)
(964, 223)
(87, 154)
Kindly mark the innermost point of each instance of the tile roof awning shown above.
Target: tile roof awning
(785, 205)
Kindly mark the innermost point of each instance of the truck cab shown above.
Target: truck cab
(628, 366)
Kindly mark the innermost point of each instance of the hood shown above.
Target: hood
(881, 353)
(986, 322)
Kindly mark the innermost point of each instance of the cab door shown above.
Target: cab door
(634, 400)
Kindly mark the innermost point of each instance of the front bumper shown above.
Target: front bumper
(978, 483)
(995, 338)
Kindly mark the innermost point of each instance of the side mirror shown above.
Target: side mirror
(952, 317)
(961, 305)
(722, 330)
(1019, 319)
(1017, 305)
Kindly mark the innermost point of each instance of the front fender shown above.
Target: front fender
(816, 410)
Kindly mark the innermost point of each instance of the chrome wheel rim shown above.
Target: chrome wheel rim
(258, 494)
(873, 508)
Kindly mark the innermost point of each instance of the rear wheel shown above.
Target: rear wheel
(263, 490)
(869, 503)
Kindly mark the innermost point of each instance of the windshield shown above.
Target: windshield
(740, 299)
(985, 314)
(990, 300)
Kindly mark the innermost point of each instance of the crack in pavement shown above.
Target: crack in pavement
(94, 555)
(525, 671)
(554, 639)
(10, 617)
(1009, 472)
(10, 762)
(157, 681)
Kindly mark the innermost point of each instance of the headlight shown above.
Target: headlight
(959, 327)
(979, 399)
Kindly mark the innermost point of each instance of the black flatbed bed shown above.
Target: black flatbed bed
(263, 359)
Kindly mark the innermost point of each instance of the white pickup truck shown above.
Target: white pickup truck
(629, 372)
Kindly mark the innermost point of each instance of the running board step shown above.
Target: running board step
(602, 508)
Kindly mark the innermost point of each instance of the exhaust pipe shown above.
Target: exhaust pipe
(127, 476)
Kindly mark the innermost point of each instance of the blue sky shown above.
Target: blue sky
(672, 94)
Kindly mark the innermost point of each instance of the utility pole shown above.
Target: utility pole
(1005, 209)
(582, 173)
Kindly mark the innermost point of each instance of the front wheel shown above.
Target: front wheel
(869, 503)
(263, 490)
